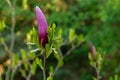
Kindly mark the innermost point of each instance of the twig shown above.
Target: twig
(97, 72)
(29, 75)
(9, 3)
(68, 53)
(44, 67)
(64, 43)
(13, 26)
(12, 8)
(56, 69)
(22, 62)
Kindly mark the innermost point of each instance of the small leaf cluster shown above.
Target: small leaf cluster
(96, 62)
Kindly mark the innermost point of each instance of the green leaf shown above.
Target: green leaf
(32, 37)
(23, 72)
(99, 61)
(0, 77)
(111, 78)
(51, 31)
(94, 78)
(92, 63)
(80, 39)
(28, 36)
(2, 25)
(58, 39)
(54, 41)
(26, 65)
(116, 77)
(24, 57)
(72, 35)
(2, 40)
(23, 54)
(25, 4)
(33, 67)
(50, 78)
(48, 50)
(13, 63)
(15, 60)
(57, 56)
(31, 55)
(50, 74)
(60, 33)
(39, 62)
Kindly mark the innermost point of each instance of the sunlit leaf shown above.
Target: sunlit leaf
(116, 77)
(50, 74)
(0, 77)
(57, 56)
(51, 31)
(39, 62)
(2, 25)
(23, 72)
(72, 35)
(58, 39)
(24, 57)
(15, 60)
(92, 63)
(31, 55)
(80, 39)
(32, 37)
(33, 67)
(48, 50)
(25, 6)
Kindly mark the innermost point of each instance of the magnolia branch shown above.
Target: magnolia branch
(63, 56)
(97, 72)
(21, 62)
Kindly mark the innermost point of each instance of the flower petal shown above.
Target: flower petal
(42, 26)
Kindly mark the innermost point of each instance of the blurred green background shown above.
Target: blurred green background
(97, 20)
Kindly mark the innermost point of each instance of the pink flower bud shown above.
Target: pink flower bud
(42, 27)
(92, 50)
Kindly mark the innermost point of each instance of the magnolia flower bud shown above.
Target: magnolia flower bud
(92, 50)
(42, 27)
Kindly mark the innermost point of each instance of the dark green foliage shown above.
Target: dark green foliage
(97, 20)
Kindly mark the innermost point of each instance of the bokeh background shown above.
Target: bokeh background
(97, 20)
